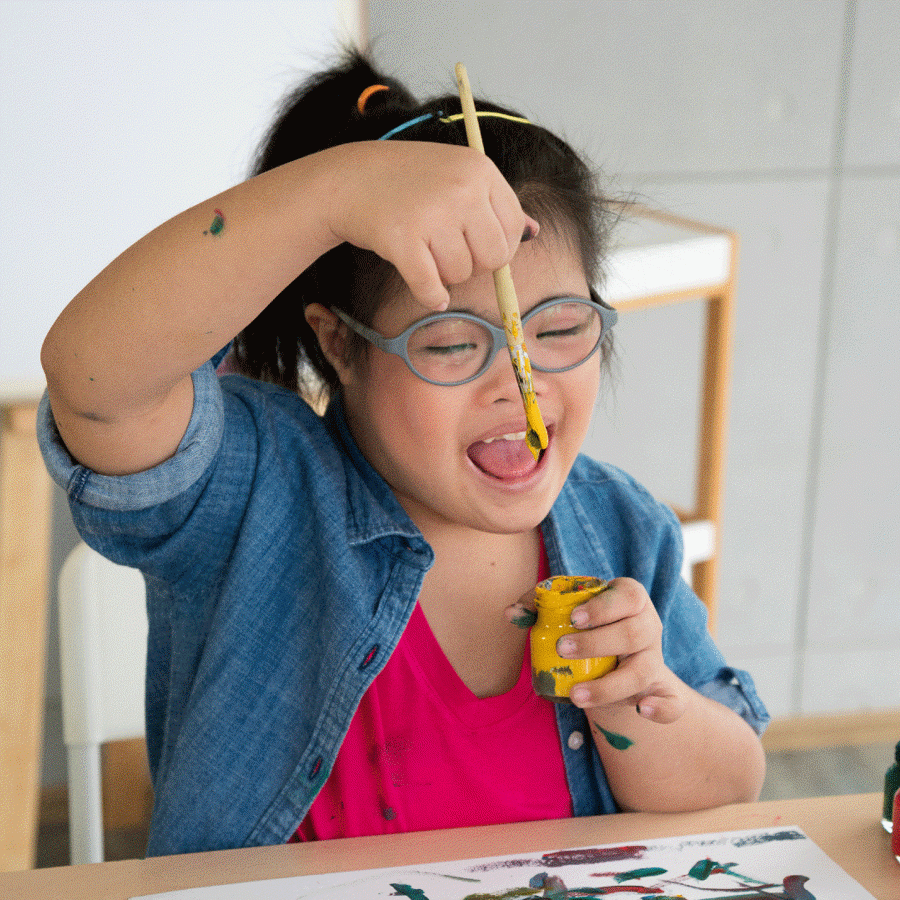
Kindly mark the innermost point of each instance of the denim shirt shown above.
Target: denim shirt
(281, 572)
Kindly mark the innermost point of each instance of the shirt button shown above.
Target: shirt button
(576, 740)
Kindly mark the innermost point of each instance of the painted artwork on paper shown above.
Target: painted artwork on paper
(761, 864)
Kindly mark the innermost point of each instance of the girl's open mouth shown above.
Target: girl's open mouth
(507, 456)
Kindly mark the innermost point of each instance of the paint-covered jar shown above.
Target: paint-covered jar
(552, 675)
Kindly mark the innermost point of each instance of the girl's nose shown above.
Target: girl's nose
(501, 382)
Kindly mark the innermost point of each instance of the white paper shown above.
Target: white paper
(740, 865)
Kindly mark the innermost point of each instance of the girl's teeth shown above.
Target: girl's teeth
(517, 436)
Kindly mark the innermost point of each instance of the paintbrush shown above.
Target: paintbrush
(536, 434)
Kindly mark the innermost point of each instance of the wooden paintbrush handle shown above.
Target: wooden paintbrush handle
(506, 292)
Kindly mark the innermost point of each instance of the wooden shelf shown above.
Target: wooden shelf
(659, 259)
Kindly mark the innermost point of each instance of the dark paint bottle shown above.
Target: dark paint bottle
(891, 786)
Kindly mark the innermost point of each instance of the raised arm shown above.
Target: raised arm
(119, 357)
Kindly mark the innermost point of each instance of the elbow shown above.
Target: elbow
(755, 774)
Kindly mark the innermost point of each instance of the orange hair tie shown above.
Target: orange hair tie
(364, 96)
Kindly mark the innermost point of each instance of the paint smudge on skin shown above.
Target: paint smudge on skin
(218, 223)
(524, 617)
(617, 741)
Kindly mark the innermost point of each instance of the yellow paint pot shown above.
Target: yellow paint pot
(551, 674)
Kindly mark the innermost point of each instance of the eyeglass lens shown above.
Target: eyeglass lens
(557, 337)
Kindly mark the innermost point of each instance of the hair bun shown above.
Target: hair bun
(335, 106)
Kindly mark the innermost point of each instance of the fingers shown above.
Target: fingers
(438, 213)
(522, 613)
(618, 622)
(663, 710)
(453, 253)
(637, 683)
(623, 622)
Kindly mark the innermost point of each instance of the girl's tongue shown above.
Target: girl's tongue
(502, 457)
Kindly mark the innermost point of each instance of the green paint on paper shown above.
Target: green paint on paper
(639, 873)
(619, 741)
(506, 895)
(702, 869)
(404, 890)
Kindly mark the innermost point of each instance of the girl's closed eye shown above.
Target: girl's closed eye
(439, 349)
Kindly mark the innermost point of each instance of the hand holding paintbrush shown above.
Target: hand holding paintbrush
(536, 433)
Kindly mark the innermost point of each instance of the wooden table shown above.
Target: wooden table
(848, 829)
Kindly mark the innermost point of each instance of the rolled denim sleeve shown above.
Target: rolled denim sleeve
(735, 689)
(155, 486)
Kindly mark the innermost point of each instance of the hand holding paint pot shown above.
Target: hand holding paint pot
(551, 675)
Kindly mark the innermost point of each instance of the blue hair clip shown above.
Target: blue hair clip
(482, 114)
(406, 125)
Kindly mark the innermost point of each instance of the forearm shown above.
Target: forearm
(119, 357)
(171, 300)
(707, 757)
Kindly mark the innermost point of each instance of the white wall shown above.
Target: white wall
(780, 120)
(116, 115)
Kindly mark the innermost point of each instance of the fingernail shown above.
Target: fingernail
(579, 695)
(580, 618)
(565, 647)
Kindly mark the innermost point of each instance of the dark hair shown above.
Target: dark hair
(553, 183)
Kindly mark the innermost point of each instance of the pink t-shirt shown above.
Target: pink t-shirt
(423, 752)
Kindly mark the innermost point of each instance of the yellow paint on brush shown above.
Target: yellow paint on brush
(553, 676)
(536, 432)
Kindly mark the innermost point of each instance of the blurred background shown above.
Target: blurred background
(779, 119)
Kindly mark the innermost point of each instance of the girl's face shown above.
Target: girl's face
(456, 456)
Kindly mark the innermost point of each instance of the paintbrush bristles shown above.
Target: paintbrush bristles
(506, 293)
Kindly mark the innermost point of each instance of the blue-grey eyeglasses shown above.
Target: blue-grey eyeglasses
(452, 348)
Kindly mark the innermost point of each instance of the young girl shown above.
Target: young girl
(332, 598)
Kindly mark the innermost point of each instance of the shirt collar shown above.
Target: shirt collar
(372, 509)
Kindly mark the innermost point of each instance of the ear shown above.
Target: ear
(331, 333)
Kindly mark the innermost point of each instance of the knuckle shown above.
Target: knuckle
(632, 592)
(633, 632)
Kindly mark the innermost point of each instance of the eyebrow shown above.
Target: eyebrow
(496, 320)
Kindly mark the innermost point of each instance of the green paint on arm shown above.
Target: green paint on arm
(618, 741)
(218, 223)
